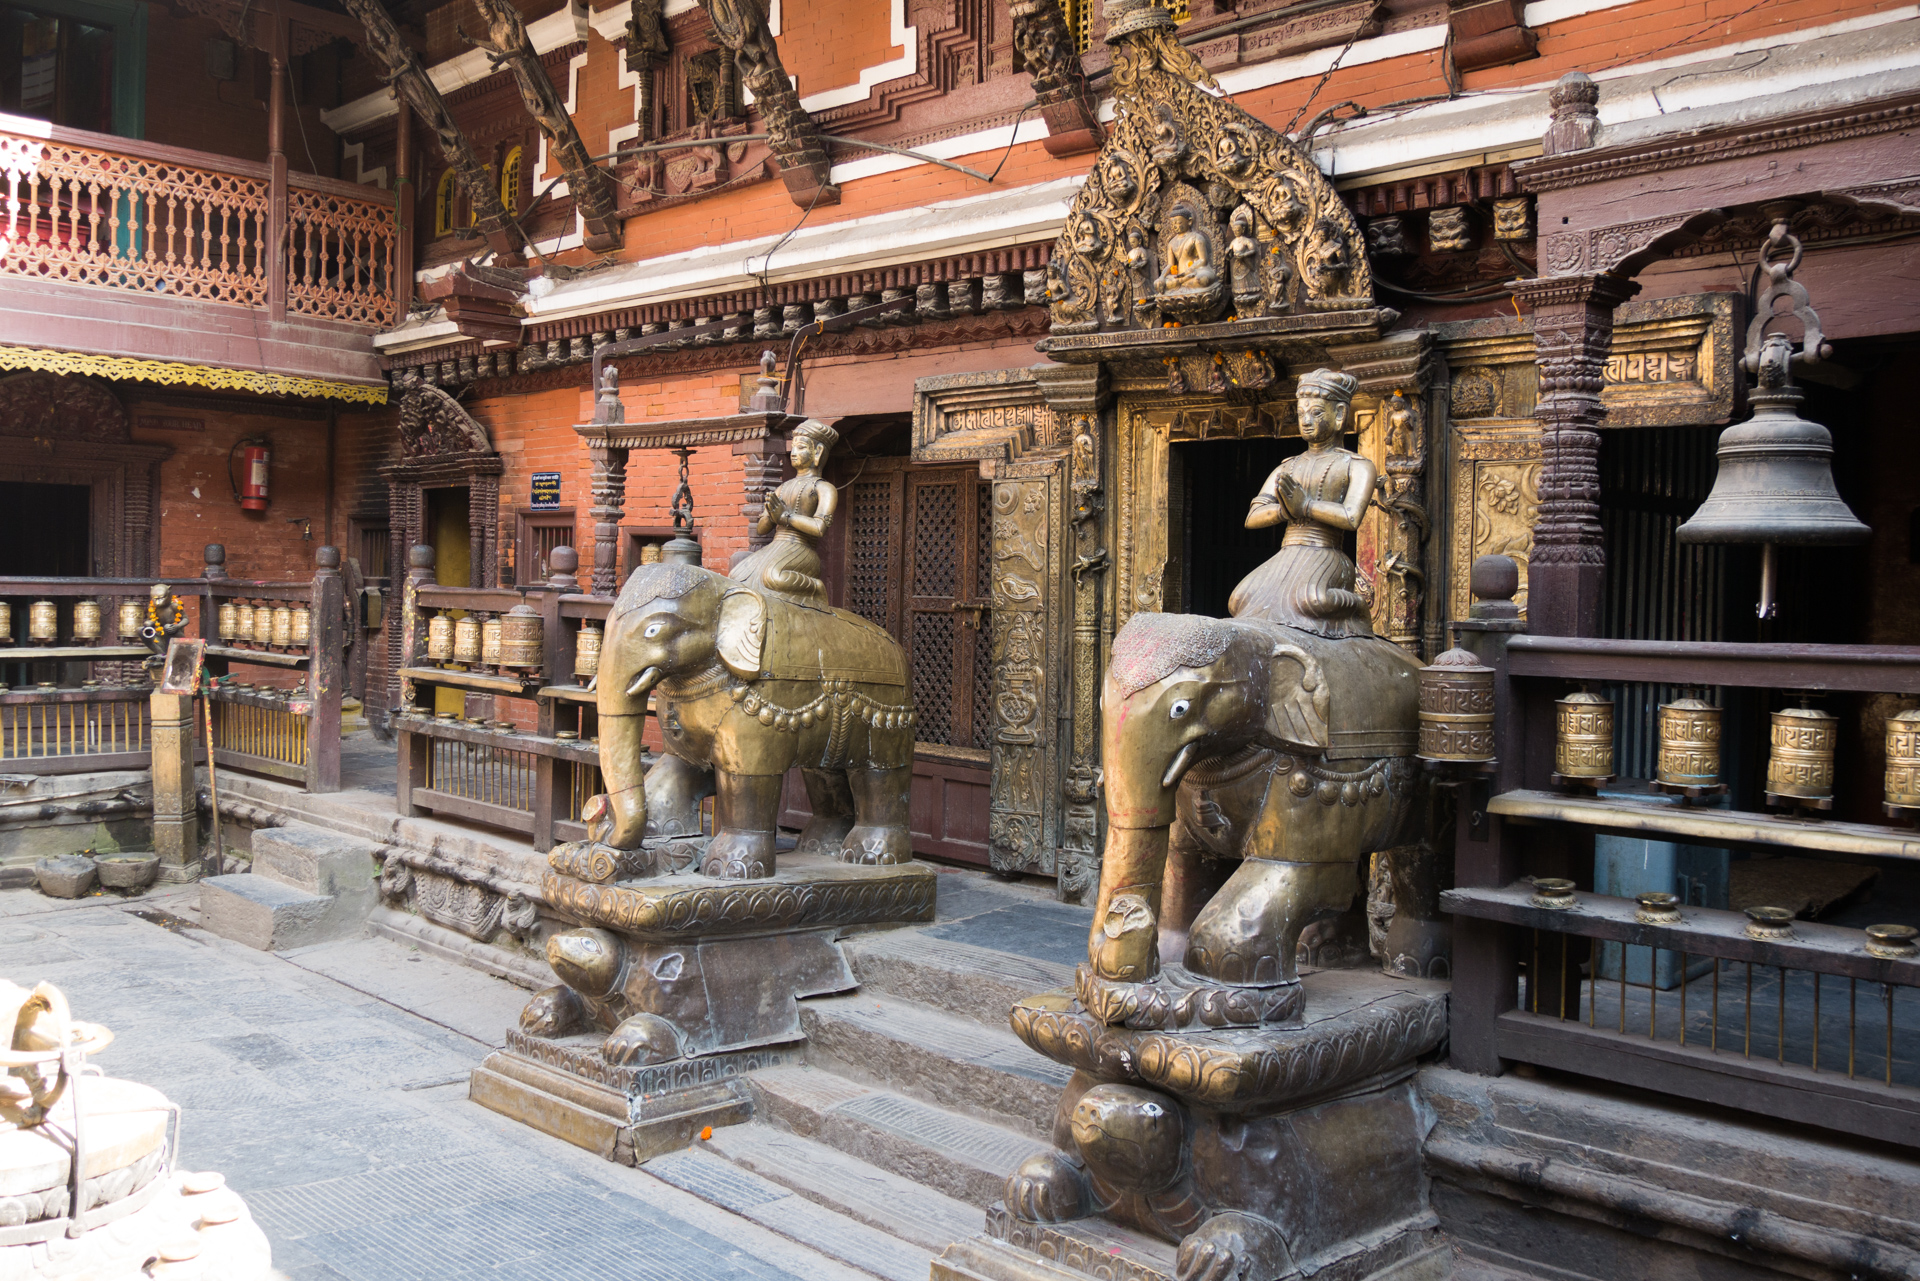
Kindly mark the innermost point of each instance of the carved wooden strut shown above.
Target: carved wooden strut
(741, 27)
(506, 45)
(1045, 43)
(405, 74)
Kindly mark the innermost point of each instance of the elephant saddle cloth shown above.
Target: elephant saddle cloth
(797, 647)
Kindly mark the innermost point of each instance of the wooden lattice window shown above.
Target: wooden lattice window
(446, 205)
(370, 546)
(539, 533)
(947, 530)
(512, 170)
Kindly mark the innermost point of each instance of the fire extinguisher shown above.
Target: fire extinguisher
(250, 491)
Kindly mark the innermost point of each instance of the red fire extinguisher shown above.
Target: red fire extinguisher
(255, 458)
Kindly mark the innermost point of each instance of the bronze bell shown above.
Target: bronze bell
(1775, 482)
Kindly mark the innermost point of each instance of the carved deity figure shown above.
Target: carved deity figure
(1320, 496)
(797, 514)
(1188, 255)
(1139, 267)
(1243, 256)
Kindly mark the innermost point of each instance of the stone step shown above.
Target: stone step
(847, 1185)
(720, 1182)
(956, 1155)
(316, 860)
(972, 982)
(935, 1056)
(273, 916)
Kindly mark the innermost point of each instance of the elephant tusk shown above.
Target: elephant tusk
(645, 681)
(1182, 762)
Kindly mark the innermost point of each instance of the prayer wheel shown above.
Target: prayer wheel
(466, 640)
(242, 623)
(263, 624)
(522, 636)
(1903, 760)
(6, 623)
(490, 641)
(131, 616)
(440, 638)
(1583, 738)
(1800, 764)
(650, 553)
(86, 620)
(1456, 709)
(586, 652)
(43, 620)
(283, 626)
(1689, 744)
(302, 626)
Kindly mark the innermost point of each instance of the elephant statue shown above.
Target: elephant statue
(1249, 767)
(748, 683)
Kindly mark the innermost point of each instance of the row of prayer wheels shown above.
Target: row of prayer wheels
(43, 621)
(514, 639)
(257, 623)
(1456, 725)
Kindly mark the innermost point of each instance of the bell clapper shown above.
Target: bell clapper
(1769, 573)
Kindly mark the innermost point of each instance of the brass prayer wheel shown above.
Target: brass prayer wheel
(1689, 744)
(490, 641)
(229, 619)
(6, 623)
(521, 637)
(43, 620)
(1903, 760)
(1800, 765)
(1583, 738)
(242, 622)
(1456, 709)
(131, 616)
(283, 626)
(466, 640)
(86, 620)
(263, 624)
(586, 652)
(440, 638)
(650, 553)
(302, 625)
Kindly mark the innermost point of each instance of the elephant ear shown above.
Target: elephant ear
(741, 633)
(1297, 698)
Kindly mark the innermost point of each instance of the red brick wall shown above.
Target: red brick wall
(186, 107)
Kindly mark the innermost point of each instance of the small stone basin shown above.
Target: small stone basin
(127, 871)
(68, 876)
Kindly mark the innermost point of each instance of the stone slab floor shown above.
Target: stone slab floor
(329, 1084)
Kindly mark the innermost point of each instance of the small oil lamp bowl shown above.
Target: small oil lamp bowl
(1656, 907)
(1892, 942)
(1551, 891)
(1774, 924)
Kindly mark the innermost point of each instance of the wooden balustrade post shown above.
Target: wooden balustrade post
(557, 653)
(403, 194)
(176, 806)
(278, 259)
(326, 671)
(413, 747)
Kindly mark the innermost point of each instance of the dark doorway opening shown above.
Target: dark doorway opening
(1214, 481)
(44, 530)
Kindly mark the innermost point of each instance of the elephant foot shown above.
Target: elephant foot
(1049, 1187)
(640, 1040)
(1179, 999)
(1418, 949)
(1233, 1247)
(554, 1011)
(739, 856)
(825, 834)
(872, 846)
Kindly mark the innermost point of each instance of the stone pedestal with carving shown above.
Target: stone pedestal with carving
(674, 986)
(1284, 1152)
(176, 814)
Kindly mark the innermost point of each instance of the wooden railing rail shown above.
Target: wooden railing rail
(92, 209)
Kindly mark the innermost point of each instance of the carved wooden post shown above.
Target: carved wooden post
(176, 807)
(763, 464)
(1041, 34)
(609, 503)
(402, 209)
(326, 671)
(277, 264)
(413, 747)
(741, 27)
(1572, 329)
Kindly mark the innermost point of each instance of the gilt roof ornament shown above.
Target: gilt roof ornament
(1183, 176)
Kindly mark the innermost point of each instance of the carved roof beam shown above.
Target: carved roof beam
(1045, 43)
(507, 45)
(404, 72)
(740, 26)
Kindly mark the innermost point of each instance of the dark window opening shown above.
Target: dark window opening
(57, 69)
(1214, 482)
(44, 530)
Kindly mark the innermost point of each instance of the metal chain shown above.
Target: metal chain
(1338, 59)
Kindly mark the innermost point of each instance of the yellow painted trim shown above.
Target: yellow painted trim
(176, 373)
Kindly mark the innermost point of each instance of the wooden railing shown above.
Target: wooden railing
(82, 705)
(1800, 1021)
(92, 209)
(522, 756)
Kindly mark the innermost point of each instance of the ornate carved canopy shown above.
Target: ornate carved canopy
(433, 425)
(1196, 212)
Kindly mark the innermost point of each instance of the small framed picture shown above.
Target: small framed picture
(182, 672)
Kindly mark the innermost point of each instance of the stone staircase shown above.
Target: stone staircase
(308, 885)
(912, 1106)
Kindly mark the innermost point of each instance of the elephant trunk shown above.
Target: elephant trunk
(623, 723)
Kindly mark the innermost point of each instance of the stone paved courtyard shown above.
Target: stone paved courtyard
(329, 1085)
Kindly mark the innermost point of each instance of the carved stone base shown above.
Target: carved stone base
(626, 1114)
(1177, 998)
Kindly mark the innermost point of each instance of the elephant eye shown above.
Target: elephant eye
(1178, 709)
(653, 630)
